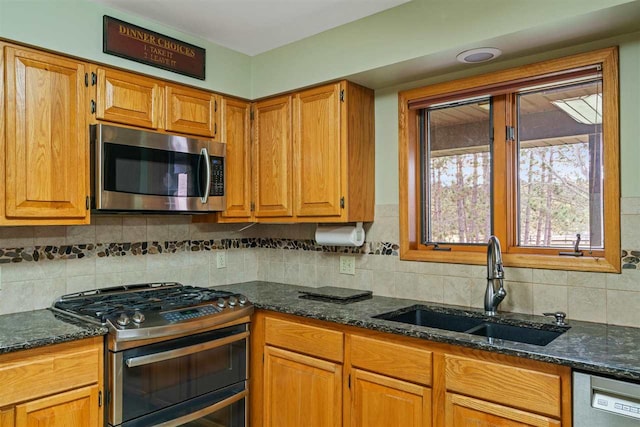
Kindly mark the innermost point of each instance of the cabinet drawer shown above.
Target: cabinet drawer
(392, 359)
(312, 340)
(513, 386)
(30, 374)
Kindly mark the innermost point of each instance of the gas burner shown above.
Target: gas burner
(128, 309)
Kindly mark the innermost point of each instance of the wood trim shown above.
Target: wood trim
(504, 192)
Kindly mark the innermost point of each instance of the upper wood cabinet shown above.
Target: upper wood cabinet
(272, 158)
(317, 148)
(128, 98)
(237, 135)
(136, 100)
(43, 138)
(334, 153)
(313, 156)
(192, 111)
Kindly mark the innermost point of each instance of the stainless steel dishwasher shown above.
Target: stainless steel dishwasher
(604, 402)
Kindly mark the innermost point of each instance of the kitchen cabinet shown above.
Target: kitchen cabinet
(135, 100)
(301, 390)
(388, 384)
(313, 157)
(302, 368)
(501, 391)
(237, 135)
(333, 147)
(390, 380)
(464, 411)
(193, 111)
(43, 138)
(54, 386)
(272, 159)
(129, 99)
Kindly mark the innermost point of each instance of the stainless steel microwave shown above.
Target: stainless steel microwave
(142, 171)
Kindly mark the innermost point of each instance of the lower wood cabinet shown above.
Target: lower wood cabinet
(301, 390)
(53, 386)
(313, 373)
(464, 411)
(381, 401)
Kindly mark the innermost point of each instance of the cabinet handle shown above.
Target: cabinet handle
(93, 106)
(94, 79)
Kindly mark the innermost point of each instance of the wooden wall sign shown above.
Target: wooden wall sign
(148, 47)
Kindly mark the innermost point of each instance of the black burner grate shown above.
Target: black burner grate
(110, 303)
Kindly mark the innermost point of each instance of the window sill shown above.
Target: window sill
(548, 262)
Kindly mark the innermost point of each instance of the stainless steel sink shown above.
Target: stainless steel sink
(460, 321)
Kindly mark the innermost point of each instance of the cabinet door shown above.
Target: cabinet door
(192, 111)
(463, 411)
(272, 158)
(77, 407)
(380, 401)
(301, 390)
(46, 169)
(237, 135)
(127, 98)
(318, 152)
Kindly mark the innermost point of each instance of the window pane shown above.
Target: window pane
(458, 167)
(560, 166)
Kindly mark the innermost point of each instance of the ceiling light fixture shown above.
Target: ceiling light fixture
(481, 54)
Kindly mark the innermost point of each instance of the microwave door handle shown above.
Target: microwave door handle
(132, 362)
(204, 153)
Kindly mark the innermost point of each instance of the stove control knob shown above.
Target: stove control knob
(137, 317)
(242, 299)
(123, 320)
(221, 303)
(233, 301)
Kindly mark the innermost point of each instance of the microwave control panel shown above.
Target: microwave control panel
(217, 176)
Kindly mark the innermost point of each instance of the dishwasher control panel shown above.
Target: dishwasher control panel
(616, 404)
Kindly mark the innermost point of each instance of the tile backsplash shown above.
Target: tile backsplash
(117, 250)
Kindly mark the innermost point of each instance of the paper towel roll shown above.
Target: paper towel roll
(331, 235)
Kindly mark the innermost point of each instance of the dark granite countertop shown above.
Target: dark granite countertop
(594, 347)
(30, 329)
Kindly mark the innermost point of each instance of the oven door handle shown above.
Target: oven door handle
(132, 362)
(205, 411)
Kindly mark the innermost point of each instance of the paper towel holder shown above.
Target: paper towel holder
(340, 234)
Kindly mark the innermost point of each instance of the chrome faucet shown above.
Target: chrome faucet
(495, 292)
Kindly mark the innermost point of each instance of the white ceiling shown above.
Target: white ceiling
(252, 26)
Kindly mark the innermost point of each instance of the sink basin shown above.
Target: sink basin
(521, 334)
(421, 316)
(483, 326)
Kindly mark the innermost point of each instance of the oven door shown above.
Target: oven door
(186, 380)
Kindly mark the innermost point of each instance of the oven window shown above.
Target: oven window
(146, 171)
(160, 375)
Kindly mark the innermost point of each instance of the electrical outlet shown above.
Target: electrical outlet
(221, 259)
(347, 265)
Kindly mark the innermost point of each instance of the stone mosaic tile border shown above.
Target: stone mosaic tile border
(41, 253)
(630, 259)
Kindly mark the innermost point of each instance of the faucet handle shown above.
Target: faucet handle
(560, 316)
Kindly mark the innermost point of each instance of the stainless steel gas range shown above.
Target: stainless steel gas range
(175, 355)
